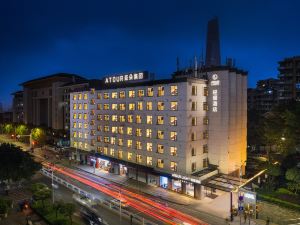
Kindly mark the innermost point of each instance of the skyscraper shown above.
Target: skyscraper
(213, 56)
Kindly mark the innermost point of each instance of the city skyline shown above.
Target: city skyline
(92, 42)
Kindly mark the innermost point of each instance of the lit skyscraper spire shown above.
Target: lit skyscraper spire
(213, 56)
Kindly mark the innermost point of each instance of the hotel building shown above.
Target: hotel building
(174, 133)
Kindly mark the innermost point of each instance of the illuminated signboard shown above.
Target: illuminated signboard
(193, 180)
(129, 77)
(214, 84)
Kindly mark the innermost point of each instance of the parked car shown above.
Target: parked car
(90, 217)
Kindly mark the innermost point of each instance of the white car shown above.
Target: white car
(83, 200)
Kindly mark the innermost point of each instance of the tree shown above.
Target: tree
(39, 135)
(68, 209)
(21, 130)
(4, 206)
(41, 192)
(57, 206)
(8, 128)
(16, 164)
(293, 175)
(274, 171)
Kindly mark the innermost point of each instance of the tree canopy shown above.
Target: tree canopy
(39, 135)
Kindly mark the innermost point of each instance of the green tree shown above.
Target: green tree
(273, 171)
(41, 193)
(8, 128)
(57, 206)
(293, 175)
(4, 206)
(16, 164)
(39, 135)
(68, 209)
(21, 130)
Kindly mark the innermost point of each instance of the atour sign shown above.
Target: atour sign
(123, 78)
(215, 83)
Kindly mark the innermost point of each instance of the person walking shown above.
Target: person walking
(268, 221)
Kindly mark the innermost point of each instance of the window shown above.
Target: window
(194, 121)
(79, 106)
(173, 120)
(174, 90)
(148, 133)
(121, 130)
(99, 117)
(194, 90)
(193, 151)
(99, 96)
(174, 106)
(74, 106)
(79, 125)
(114, 106)
(160, 134)
(99, 106)
(160, 106)
(122, 94)
(160, 120)
(80, 97)
(149, 146)
(205, 121)
(160, 163)
(139, 105)
(85, 106)
(205, 148)
(138, 132)
(114, 118)
(85, 96)
(205, 134)
(106, 140)
(139, 158)
(138, 145)
(173, 136)
(194, 167)
(141, 93)
(85, 125)
(122, 118)
(106, 128)
(129, 157)
(112, 152)
(149, 119)
(160, 149)
(149, 161)
(120, 142)
(74, 116)
(205, 162)
(114, 95)
(138, 119)
(160, 91)
(194, 106)
(131, 94)
(130, 118)
(74, 97)
(129, 143)
(80, 116)
(149, 106)
(193, 136)
(205, 106)
(105, 150)
(173, 166)
(122, 106)
(131, 106)
(120, 154)
(106, 117)
(150, 92)
(106, 95)
(99, 128)
(129, 130)
(74, 125)
(93, 112)
(74, 134)
(173, 151)
(205, 91)
(99, 138)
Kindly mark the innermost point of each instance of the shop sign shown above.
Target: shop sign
(214, 84)
(193, 180)
(124, 78)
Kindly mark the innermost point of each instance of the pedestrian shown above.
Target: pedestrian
(268, 221)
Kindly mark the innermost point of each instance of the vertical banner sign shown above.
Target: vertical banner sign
(215, 83)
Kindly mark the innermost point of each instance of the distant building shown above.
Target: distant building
(213, 55)
(6, 117)
(18, 107)
(44, 100)
(289, 76)
(264, 97)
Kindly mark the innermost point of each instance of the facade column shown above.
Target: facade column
(197, 191)
(116, 168)
(169, 187)
(183, 187)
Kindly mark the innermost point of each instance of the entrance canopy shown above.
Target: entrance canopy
(223, 182)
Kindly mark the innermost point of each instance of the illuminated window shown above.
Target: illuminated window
(99, 106)
(173, 120)
(160, 120)
(122, 118)
(74, 106)
(113, 140)
(150, 92)
(138, 132)
(122, 94)
(99, 117)
(173, 151)
(80, 97)
(85, 145)
(92, 122)
(131, 94)
(139, 158)
(130, 118)
(160, 134)
(194, 121)
(138, 119)
(106, 128)
(193, 136)
(174, 106)
(122, 106)
(205, 134)
(99, 96)
(121, 130)
(173, 166)
(205, 148)
(160, 163)
(114, 118)
(85, 96)
(85, 106)
(160, 106)
(193, 152)
(138, 145)
(194, 90)
(106, 106)
(160, 91)
(114, 106)
(139, 105)
(194, 106)
(92, 101)
(174, 90)
(114, 130)
(129, 156)
(149, 146)
(105, 150)
(106, 140)
(120, 142)
(194, 167)
(160, 149)
(74, 134)
(80, 116)
(141, 93)
(99, 138)
(99, 149)
(149, 106)
(93, 132)
(149, 161)
(112, 152)
(86, 125)
(85, 116)
(75, 144)
(205, 91)
(114, 95)
(106, 95)
(131, 106)
(129, 143)
(93, 112)
(74, 116)
(79, 134)
(106, 117)
(79, 106)
(129, 130)
(120, 154)
(205, 106)
(149, 119)
(148, 133)
(173, 136)
(99, 128)
(74, 97)
(79, 125)
(205, 162)
(205, 121)
(92, 91)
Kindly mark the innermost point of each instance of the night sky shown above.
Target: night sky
(95, 38)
